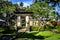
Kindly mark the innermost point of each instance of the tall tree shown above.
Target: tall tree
(40, 10)
(54, 2)
(5, 6)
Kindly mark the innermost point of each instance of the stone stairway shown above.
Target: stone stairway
(22, 30)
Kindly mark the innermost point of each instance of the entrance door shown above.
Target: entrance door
(23, 21)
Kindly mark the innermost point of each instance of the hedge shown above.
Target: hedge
(36, 28)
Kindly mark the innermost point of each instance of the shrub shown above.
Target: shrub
(49, 27)
(11, 27)
(42, 28)
(20, 27)
(57, 29)
(1, 34)
(34, 28)
(2, 29)
(37, 28)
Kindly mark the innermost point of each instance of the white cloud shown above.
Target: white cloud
(26, 4)
(18, 3)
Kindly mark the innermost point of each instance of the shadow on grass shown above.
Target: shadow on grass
(26, 35)
(22, 35)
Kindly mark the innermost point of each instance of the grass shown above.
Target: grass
(45, 33)
(56, 35)
(26, 39)
(33, 35)
(28, 35)
(51, 38)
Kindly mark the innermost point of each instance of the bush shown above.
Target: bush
(2, 29)
(41, 28)
(11, 27)
(20, 27)
(58, 29)
(36, 28)
(1, 35)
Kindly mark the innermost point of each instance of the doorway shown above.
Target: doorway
(23, 21)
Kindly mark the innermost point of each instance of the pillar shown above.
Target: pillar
(15, 27)
(27, 23)
(34, 22)
(19, 21)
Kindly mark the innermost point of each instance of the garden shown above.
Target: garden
(35, 33)
(41, 9)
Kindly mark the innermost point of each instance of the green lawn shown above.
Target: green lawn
(33, 35)
(45, 35)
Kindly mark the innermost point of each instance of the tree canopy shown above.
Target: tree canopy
(6, 6)
(40, 9)
(54, 2)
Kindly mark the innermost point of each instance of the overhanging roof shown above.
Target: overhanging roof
(23, 12)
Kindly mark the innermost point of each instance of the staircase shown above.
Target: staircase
(22, 30)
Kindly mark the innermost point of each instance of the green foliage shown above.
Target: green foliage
(37, 28)
(6, 6)
(2, 29)
(40, 10)
(32, 32)
(51, 38)
(1, 34)
(45, 28)
(45, 33)
(57, 36)
(57, 29)
(11, 27)
(34, 28)
(51, 14)
(41, 28)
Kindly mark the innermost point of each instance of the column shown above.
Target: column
(19, 21)
(34, 22)
(15, 26)
(27, 23)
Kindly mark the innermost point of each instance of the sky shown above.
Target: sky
(26, 2)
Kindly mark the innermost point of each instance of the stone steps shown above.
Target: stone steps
(22, 30)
